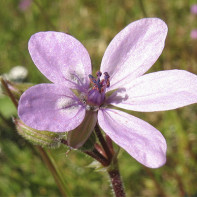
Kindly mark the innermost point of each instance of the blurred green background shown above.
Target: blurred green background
(95, 23)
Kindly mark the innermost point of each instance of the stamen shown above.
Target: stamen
(96, 95)
(98, 74)
(100, 85)
(92, 79)
(107, 79)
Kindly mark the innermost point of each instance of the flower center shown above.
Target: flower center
(96, 95)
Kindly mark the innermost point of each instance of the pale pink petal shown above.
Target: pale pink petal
(159, 91)
(141, 140)
(50, 107)
(61, 58)
(134, 50)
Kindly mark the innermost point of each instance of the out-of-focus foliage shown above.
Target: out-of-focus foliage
(95, 23)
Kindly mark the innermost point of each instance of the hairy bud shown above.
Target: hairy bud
(41, 138)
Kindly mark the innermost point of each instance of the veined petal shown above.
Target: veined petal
(50, 107)
(61, 58)
(158, 91)
(141, 140)
(134, 50)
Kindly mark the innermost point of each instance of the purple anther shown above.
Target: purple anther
(92, 79)
(98, 73)
(99, 86)
(107, 79)
(106, 75)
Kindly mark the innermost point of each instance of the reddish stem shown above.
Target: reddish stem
(103, 142)
(4, 83)
(116, 183)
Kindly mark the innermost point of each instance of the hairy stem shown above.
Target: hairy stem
(116, 181)
(113, 169)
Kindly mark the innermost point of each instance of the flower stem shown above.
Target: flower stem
(103, 142)
(110, 144)
(116, 181)
(113, 169)
(15, 102)
(96, 155)
(48, 159)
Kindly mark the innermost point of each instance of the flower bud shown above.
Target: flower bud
(41, 138)
(77, 137)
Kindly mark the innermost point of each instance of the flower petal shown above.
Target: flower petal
(158, 91)
(134, 50)
(50, 107)
(61, 58)
(141, 140)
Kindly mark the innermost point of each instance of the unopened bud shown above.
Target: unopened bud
(77, 137)
(41, 138)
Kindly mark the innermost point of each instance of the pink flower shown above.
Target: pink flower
(193, 34)
(194, 9)
(63, 105)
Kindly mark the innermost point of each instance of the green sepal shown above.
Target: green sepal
(77, 137)
(89, 144)
(42, 138)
